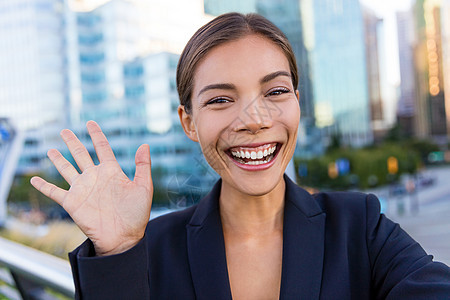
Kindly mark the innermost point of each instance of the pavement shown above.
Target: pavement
(425, 214)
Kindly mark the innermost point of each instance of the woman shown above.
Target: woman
(256, 235)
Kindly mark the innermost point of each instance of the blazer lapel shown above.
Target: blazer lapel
(206, 249)
(303, 245)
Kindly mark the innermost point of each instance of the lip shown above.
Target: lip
(255, 167)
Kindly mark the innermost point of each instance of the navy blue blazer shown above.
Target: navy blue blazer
(335, 246)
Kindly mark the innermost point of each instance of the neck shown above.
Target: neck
(249, 215)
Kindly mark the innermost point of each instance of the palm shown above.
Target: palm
(108, 207)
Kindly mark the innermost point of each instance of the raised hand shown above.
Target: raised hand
(110, 209)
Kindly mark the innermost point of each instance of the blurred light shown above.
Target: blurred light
(392, 164)
(332, 170)
(431, 44)
(447, 156)
(434, 81)
(434, 90)
(432, 56)
(436, 156)
(434, 69)
(324, 114)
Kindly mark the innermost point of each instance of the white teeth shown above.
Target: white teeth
(254, 155)
(259, 155)
(257, 162)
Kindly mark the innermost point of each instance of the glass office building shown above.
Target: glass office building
(406, 108)
(429, 60)
(336, 41)
(218, 7)
(33, 79)
(445, 25)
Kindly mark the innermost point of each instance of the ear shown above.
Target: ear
(187, 123)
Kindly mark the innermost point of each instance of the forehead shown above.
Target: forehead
(249, 57)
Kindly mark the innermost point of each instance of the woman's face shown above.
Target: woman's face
(245, 113)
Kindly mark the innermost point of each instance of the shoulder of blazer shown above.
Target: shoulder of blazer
(351, 208)
(194, 215)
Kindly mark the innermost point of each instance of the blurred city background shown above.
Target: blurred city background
(373, 82)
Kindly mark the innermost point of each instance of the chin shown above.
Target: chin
(257, 184)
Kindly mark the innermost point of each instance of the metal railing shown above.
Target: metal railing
(34, 274)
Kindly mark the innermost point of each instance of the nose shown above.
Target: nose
(254, 116)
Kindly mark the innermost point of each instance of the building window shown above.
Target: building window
(133, 92)
(92, 58)
(90, 40)
(133, 71)
(93, 78)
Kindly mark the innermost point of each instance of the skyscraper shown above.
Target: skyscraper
(371, 25)
(218, 7)
(406, 108)
(336, 40)
(445, 25)
(32, 73)
(429, 71)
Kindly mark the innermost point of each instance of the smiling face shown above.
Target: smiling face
(245, 113)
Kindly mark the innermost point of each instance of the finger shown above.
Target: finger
(143, 174)
(77, 149)
(48, 189)
(101, 144)
(64, 167)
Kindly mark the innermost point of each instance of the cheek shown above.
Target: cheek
(209, 129)
(290, 116)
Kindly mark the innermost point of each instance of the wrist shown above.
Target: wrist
(120, 248)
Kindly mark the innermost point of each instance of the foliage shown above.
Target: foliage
(60, 237)
(368, 166)
(23, 193)
(422, 147)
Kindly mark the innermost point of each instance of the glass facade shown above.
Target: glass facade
(406, 109)
(33, 76)
(339, 71)
(445, 25)
(429, 60)
(218, 7)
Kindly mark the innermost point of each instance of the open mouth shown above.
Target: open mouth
(254, 156)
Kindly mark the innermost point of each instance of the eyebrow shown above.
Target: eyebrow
(217, 86)
(274, 75)
(229, 86)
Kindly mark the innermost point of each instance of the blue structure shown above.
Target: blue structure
(11, 141)
(336, 43)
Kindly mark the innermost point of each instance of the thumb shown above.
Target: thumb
(143, 166)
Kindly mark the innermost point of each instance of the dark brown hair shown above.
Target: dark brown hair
(225, 28)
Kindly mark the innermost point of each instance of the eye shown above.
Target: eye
(277, 91)
(218, 100)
